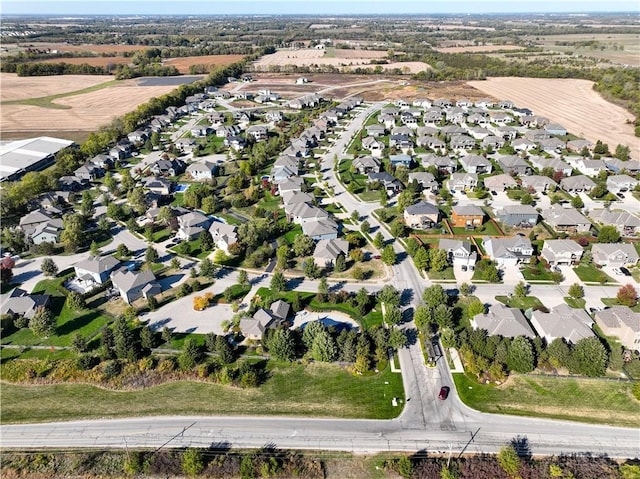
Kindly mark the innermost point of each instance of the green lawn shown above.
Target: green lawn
(536, 273)
(591, 274)
(614, 302)
(319, 390)
(162, 235)
(520, 303)
(575, 303)
(584, 400)
(444, 275)
(488, 229)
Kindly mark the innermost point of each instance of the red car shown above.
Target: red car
(444, 393)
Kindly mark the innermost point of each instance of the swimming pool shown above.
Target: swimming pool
(181, 188)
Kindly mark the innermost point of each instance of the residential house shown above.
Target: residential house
(442, 103)
(476, 164)
(258, 132)
(253, 328)
(302, 213)
(160, 186)
(223, 234)
(389, 183)
(200, 131)
(555, 129)
(95, 270)
(514, 165)
(614, 254)
(444, 164)
(566, 219)
(467, 216)
(422, 215)
(284, 171)
(20, 303)
(374, 146)
(274, 116)
(186, 145)
(328, 250)
(492, 141)
(537, 135)
(500, 118)
(366, 164)
(235, 142)
(538, 183)
(323, 228)
(564, 322)
(579, 144)
(375, 130)
(540, 162)
(400, 141)
(102, 161)
(500, 320)
(225, 131)
(622, 323)
(587, 166)
(462, 142)
(168, 167)
(625, 222)
(135, 284)
(400, 160)
(459, 251)
(290, 198)
(577, 184)
(191, 224)
(478, 119)
(291, 184)
(508, 251)
(561, 251)
(89, 172)
(202, 171)
(48, 232)
(500, 182)
(138, 136)
(621, 183)
(523, 144)
(431, 142)
(523, 216)
(618, 166)
(426, 180)
(462, 181)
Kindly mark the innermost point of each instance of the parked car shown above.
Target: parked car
(625, 271)
(617, 271)
(464, 267)
(444, 393)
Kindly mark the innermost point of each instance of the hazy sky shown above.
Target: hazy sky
(326, 7)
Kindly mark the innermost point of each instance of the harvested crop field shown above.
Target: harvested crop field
(478, 48)
(93, 61)
(13, 87)
(85, 111)
(572, 103)
(64, 47)
(183, 63)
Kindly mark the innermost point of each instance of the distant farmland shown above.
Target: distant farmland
(183, 63)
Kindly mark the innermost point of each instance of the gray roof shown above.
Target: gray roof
(453, 245)
(127, 280)
(503, 321)
(320, 227)
(563, 322)
(422, 208)
(618, 218)
(518, 210)
(98, 264)
(619, 316)
(468, 210)
(331, 248)
(280, 309)
(602, 251)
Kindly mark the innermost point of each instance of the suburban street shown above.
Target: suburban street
(426, 423)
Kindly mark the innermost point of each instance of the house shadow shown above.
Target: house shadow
(168, 282)
(77, 323)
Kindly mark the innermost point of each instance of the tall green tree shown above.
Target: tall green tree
(278, 282)
(49, 267)
(434, 295)
(520, 357)
(281, 345)
(324, 347)
(389, 255)
(42, 323)
(589, 357)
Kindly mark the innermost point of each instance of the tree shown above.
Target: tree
(323, 290)
(608, 234)
(76, 301)
(122, 251)
(137, 201)
(556, 277)
(520, 290)
(393, 315)
(324, 347)
(443, 315)
(439, 259)
(384, 197)
(147, 338)
(509, 460)
(115, 212)
(398, 229)
(355, 216)
(310, 268)
(151, 255)
(43, 323)
(86, 205)
(365, 226)
(166, 334)
(303, 245)
(465, 289)
(73, 232)
(243, 277)
(94, 250)
(434, 295)
(190, 355)
(48, 267)
(207, 268)
(397, 338)
(421, 259)
(192, 462)
(281, 345)
(559, 353)
(123, 339)
(282, 255)
(520, 356)
(378, 240)
(341, 263)
(165, 215)
(588, 357)
(526, 199)
(423, 317)
(278, 282)
(622, 152)
(175, 263)
(627, 295)
(577, 202)
(388, 255)
(206, 241)
(576, 291)
(362, 301)
(474, 308)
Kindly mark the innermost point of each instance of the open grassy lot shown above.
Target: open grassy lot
(591, 274)
(291, 389)
(584, 400)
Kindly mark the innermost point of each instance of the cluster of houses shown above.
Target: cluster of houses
(561, 321)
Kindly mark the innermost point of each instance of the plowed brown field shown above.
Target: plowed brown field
(572, 103)
(13, 87)
(183, 63)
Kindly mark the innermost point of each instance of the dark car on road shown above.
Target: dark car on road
(444, 393)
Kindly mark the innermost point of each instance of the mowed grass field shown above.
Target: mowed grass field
(317, 390)
(585, 400)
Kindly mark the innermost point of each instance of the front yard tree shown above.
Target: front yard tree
(303, 245)
(421, 259)
(206, 241)
(423, 317)
(588, 357)
(434, 295)
(243, 277)
(389, 295)
(76, 301)
(94, 249)
(151, 255)
(355, 216)
(576, 291)
(43, 323)
(526, 199)
(48, 267)
(365, 227)
(323, 290)
(281, 345)
(393, 315)
(86, 206)
(310, 268)
(388, 255)
(520, 356)
(278, 282)
(282, 255)
(474, 308)
(608, 234)
(465, 289)
(136, 200)
(207, 268)
(627, 295)
(73, 231)
(122, 251)
(378, 240)
(147, 338)
(341, 264)
(439, 259)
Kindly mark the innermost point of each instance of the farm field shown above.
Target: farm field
(477, 48)
(183, 63)
(572, 103)
(93, 61)
(82, 112)
(64, 47)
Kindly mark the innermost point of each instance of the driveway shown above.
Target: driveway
(462, 276)
(511, 275)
